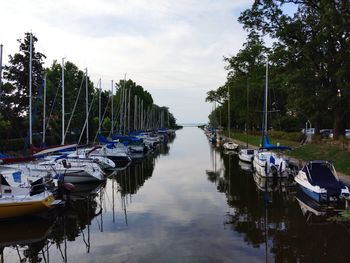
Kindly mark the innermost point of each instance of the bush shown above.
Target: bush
(289, 136)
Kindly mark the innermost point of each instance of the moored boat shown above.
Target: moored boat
(318, 179)
(246, 155)
(18, 201)
(231, 146)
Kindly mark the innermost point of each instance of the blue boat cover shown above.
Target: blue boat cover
(320, 174)
(268, 146)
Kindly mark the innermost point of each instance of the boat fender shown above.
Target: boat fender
(69, 186)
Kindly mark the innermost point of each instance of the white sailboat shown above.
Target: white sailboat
(229, 146)
(115, 151)
(266, 162)
(247, 155)
(72, 171)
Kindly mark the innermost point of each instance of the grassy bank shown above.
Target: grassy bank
(313, 151)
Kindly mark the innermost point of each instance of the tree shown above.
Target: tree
(316, 39)
(17, 74)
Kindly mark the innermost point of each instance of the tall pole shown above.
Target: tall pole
(142, 113)
(112, 107)
(266, 95)
(129, 98)
(87, 105)
(99, 108)
(168, 119)
(30, 88)
(228, 114)
(247, 114)
(124, 110)
(62, 101)
(121, 108)
(0, 68)
(135, 113)
(44, 110)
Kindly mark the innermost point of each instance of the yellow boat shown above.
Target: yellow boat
(17, 201)
(22, 205)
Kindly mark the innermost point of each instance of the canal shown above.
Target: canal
(188, 202)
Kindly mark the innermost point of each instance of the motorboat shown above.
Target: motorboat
(231, 146)
(318, 179)
(246, 155)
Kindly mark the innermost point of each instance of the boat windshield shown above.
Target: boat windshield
(321, 174)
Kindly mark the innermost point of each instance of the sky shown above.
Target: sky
(173, 48)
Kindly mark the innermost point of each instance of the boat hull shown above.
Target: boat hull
(80, 177)
(313, 195)
(10, 208)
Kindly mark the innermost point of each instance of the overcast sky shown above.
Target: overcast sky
(173, 48)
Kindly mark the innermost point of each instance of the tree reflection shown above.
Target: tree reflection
(268, 216)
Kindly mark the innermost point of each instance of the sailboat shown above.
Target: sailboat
(266, 162)
(20, 197)
(20, 194)
(247, 154)
(230, 146)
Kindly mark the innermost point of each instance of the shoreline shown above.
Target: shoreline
(343, 177)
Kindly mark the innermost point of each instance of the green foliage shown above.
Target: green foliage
(4, 125)
(17, 74)
(131, 102)
(313, 151)
(288, 136)
(309, 72)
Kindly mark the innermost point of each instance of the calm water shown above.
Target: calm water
(188, 203)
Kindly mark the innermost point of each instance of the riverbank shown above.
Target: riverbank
(307, 152)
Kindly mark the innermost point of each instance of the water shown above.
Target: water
(188, 203)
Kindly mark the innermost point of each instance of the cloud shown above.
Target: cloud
(174, 46)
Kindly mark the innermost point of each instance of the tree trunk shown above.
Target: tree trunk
(338, 125)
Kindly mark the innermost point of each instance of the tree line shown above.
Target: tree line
(133, 107)
(309, 67)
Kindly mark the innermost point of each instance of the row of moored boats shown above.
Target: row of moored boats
(29, 185)
(317, 179)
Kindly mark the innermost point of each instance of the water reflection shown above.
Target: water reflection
(274, 216)
(175, 207)
(86, 210)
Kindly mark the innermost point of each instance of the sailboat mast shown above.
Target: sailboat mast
(87, 105)
(112, 129)
(0, 68)
(129, 109)
(30, 88)
(247, 113)
(266, 95)
(44, 110)
(140, 113)
(228, 114)
(121, 96)
(99, 108)
(62, 101)
(135, 113)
